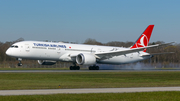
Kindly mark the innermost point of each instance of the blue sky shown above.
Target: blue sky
(78, 20)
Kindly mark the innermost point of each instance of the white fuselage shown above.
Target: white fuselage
(65, 52)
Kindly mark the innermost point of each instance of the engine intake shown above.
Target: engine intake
(46, 62)
(85, 59)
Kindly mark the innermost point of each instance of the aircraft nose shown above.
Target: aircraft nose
(8, 52)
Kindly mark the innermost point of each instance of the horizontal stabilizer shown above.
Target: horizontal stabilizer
(166, 44)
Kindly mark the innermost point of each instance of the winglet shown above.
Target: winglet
(143, 40)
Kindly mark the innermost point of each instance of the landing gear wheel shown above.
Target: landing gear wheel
(19, 59)
(78, 68)
(19, 64)
(93, 67)
(71, 67)
(97, 67)
(74, 68)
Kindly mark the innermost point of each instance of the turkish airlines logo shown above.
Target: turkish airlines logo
(143, 41)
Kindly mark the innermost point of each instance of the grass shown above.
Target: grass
(91, 80)
(144, 96)
(9, 81)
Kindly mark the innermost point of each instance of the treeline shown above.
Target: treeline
(163, 58)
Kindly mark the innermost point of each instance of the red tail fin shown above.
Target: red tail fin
(143, 40)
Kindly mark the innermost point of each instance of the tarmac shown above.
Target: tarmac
(86, 90)
(122, 70)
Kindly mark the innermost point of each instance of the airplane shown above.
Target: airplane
(47, 53)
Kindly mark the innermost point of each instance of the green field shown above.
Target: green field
(91, 80)
(88, 80)
(144, 96)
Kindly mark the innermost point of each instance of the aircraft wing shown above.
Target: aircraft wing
(110, 54)
(152, 54)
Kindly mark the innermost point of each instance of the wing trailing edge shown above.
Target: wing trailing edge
(110, 54)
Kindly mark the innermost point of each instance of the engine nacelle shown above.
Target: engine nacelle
(85, 59)
(46, 62)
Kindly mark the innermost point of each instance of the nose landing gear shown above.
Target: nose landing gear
(19, 59)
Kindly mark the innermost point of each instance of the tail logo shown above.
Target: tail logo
(143, 40)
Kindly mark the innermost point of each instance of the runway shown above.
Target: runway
(86, 90)
(122, 70)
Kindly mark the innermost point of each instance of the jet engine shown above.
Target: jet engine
(46, 62)
(85, 59)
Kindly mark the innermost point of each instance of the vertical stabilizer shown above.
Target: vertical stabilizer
(143, 40)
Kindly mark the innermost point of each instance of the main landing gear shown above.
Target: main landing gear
(74, 67)
(19, 59)
(94, 67)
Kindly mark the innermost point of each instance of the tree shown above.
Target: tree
(92, 42)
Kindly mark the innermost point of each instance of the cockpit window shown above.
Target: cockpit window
(14, 46)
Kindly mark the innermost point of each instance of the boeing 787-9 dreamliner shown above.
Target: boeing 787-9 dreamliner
(47, 53)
